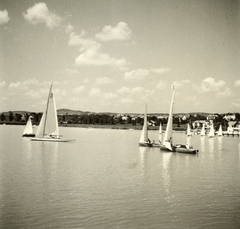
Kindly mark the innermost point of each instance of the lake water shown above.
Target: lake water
(105, 180)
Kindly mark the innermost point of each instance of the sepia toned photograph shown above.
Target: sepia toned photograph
(120, 114)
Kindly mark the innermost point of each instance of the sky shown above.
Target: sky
(118, 55)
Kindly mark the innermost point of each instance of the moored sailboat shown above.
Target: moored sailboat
(144, 140)
(167, 144)
(220, 133)
(167, 141)
(189, 130)
(48, 127)
(211, 132)
(28, 130)
(203, 130)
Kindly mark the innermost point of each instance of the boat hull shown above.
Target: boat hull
(164, 148)
(28, 135)
(52, 139)
(185, 149)
(145, 144)
(188, 151)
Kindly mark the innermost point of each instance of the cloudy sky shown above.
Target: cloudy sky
(118, 55)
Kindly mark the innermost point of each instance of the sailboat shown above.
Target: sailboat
(220, 131)
(48, 127)
(189, 130)
(203, 130)
(144, 140)
(167, 141)
(28, 130)
(211, 132)
(157, 144)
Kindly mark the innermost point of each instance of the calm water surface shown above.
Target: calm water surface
(104, 180)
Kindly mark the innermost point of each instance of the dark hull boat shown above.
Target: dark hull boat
(28, 135)
(180, 148)
(167, 144)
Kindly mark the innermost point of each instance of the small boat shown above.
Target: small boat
(167, 144)
(28, 130)
(144, 140)
(203, 130)
(211, 132)
(189, 130)
(157, 144)
(48, 127)
(220, 133)
(185, 148)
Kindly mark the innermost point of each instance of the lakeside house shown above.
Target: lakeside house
(233, 126)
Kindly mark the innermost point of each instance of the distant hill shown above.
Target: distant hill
(65, 111)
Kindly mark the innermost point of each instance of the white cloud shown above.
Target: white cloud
(90, 52)
(4, 18)
(79, 90)
(3, 84)
(225, 92)
(110, 95)
(211, 85)
(237, 83)
(160, 70)
(33, 94)
(123, 90)
(86, 81)
(17, 85)
(127, 101)
(138, 90)
(85, 44)
(69, 29)
(138, 74)
(120, 32)
(161, 84)
(95, 92)
(178, 84)
(39, 13)
(94, 57)
(59, 92)
(104, 80)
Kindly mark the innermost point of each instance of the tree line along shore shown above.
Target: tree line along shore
(123, 121)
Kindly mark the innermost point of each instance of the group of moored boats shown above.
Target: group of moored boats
(167, 143)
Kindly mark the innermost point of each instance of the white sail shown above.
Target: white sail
(28, 128)
(167, 141)
(211, 132)
(220, 131)
(160, 128)
(188, 130)
(49, 124)
(203, 130)
(144, 134)
(160, 132)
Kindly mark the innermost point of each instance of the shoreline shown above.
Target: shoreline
(98, 126)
